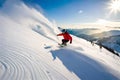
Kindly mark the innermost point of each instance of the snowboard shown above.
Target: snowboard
(61, 45)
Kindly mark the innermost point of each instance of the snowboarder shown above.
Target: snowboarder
(66, 37)
(92, 42)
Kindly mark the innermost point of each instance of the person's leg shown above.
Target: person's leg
(64, 41)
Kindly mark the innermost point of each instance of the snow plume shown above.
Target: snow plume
(25, 16)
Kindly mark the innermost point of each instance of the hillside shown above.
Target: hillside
(29, 51)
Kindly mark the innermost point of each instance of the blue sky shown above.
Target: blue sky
(72, 11)
(1, 2)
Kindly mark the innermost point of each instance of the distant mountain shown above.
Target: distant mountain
(87, 31)
(109, 39)
(112, 42)
(91, 33)
(84, 33)
(107, 34)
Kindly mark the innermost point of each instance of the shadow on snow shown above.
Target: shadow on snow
(84, 67)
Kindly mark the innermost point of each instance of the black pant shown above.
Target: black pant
(64, 41)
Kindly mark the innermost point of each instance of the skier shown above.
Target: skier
(66, 37)
(100, 45)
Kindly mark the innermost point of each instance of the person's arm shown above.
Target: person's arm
(60, 34)
(70, 39)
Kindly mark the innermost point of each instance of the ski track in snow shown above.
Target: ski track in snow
(22, 66)
(19, 61)
(17, 65)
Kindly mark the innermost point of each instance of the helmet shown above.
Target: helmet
(64, 30)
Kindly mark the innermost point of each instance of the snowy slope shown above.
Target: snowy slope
(29, 51)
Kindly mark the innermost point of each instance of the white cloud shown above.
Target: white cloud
(80, 11)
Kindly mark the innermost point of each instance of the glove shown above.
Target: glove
(70, 42)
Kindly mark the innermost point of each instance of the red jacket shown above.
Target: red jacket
(66, 36)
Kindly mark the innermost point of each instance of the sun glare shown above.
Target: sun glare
(114, 6)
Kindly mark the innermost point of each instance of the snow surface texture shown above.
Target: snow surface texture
(29, 51)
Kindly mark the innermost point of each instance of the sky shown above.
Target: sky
(74, 11)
